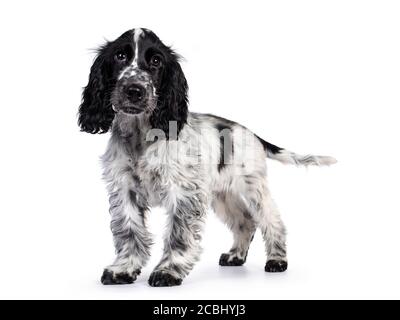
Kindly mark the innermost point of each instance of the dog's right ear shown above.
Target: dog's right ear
(95, 112)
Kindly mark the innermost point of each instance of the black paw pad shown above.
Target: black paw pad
(109, 278)
(275, 266)
(163, 279)
(224, 261)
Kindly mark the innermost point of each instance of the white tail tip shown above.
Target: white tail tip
(288, 157)
(326, 160)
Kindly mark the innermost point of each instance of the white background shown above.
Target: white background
(311, 76)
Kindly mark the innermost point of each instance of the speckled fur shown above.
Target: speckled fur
(158, 174)
(159, 154)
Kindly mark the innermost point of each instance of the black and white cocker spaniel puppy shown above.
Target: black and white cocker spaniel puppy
(159, 154)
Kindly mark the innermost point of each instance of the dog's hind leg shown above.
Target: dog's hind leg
(242, 225)
(261, 208)
(274, 234)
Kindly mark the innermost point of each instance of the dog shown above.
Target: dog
(160, 154)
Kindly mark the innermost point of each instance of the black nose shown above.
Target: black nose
(135, 93)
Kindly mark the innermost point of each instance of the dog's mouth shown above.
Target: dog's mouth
(130, 110)
(123, 106)
(132, 103)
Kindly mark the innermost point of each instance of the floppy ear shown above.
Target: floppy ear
(172, 102)
(95, 112)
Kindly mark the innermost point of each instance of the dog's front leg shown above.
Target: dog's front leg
(181, 244)
(132, 240)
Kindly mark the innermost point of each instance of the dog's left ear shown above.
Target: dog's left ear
(172, 102)
(95, 112)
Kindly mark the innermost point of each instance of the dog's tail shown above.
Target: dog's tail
(288, 157)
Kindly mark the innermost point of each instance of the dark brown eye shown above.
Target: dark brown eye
(120, 56)
(155, 61)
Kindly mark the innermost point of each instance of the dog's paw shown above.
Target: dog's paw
(276, 266)
(110, 277)
(227, 260)
(163, 279)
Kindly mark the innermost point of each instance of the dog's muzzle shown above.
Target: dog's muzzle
(133, 95)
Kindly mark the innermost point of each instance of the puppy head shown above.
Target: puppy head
(135, 75)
